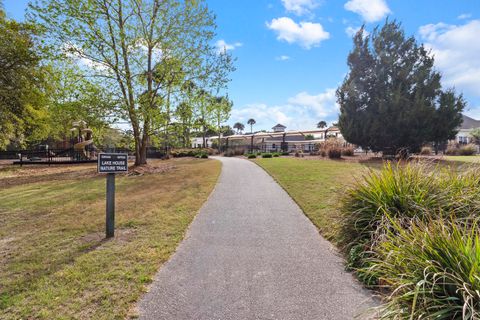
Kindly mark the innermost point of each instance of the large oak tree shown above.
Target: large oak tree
(138, 50)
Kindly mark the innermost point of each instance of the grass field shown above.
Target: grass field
(316, 185)
(467, 159)
(54, 262)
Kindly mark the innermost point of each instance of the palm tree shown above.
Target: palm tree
(239, 126)
(251, 122)
(322, 124)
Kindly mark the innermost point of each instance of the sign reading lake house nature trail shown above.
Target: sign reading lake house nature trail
(112, 162)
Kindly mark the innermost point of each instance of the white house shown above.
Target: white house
(197, 142)
(469, 124)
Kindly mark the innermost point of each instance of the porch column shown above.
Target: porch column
(284, 144)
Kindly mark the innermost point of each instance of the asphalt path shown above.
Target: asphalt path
(252, 254)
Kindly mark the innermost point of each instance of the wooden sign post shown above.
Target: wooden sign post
(111, 163)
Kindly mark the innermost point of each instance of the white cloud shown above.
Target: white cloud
(370, 10)
(300, 7)
(282, 58)
(222, 46)
(265, 116)
(464, 16)
(456, 49)
(76, 54)
(303, 111)
(307, 34)
(321, 105)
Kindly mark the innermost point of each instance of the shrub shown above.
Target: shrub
(332, 148)
(452, 151)
(276, 155)
(201, 155)
(239, 151)
(406, 193)
(234, 152)
(299, 154)
(468, 150)
(426, 151)
(334, 152)
(251, 156)
(190, 152)
(229, 153)
(432, 270)
(266, 155)
(348, 152)
(285, 153)
(184, 152)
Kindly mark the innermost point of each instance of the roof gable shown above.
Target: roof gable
(469, 123)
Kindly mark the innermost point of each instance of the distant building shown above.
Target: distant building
(197, 142)
(281, 140)
(469, 124)
(279, 128)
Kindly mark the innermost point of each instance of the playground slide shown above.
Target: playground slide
(81, 145)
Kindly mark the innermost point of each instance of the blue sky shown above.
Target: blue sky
(291, 54)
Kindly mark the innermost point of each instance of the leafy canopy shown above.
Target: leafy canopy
(23, 85)
(141, 52)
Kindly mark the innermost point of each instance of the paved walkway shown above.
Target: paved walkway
(252, 254)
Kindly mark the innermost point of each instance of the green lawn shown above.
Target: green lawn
(316, 185)
(467, 159)
(54, 262)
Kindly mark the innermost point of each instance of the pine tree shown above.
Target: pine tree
(392, 99)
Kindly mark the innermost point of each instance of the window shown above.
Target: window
(463, 140)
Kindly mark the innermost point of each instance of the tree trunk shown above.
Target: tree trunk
(204, 137)
(219, 144)
(142, 156)
(167, 135)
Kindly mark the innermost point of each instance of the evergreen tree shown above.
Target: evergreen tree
(392, 99)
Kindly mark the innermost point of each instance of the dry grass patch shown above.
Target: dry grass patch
(54, 262)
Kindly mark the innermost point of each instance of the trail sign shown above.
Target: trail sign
(111, 163)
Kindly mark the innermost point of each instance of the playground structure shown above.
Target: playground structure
(84, 146)
(81, 150)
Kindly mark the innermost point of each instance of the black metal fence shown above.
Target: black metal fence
(68, 156)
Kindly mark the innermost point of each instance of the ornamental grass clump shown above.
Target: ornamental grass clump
(401, 191)
(468, 150)
(405, 193)
(432, 270)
